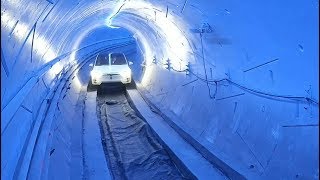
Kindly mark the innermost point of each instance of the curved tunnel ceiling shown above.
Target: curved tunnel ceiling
(264, 54)
(172, 30)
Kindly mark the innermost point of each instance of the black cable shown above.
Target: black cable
(215, 82)
(253, 90)
(204, 67)
(273, 95)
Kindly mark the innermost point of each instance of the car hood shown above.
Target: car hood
(113, 69)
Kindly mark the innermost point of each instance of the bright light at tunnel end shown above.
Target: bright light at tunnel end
(174, 46)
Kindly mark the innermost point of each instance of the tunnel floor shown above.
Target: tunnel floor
(131, 149)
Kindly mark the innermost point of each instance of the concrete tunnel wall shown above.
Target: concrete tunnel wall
(268, 47)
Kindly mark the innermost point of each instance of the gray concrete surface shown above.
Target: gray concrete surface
(189, 156)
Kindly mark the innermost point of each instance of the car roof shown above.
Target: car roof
(117, 53)
(112, 53)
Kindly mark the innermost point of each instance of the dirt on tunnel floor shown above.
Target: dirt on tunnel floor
(131, 148)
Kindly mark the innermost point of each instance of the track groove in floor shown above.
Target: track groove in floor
(132, 151)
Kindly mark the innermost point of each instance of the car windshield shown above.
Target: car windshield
(118, 59)
(102, 60)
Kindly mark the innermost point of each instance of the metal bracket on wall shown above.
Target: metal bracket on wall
(14, 26)
(167, 11)
(34, 32)
(4, 64)
(261, 65)
(20, 50)
(50, 1)
(49, 12)
(184, 5)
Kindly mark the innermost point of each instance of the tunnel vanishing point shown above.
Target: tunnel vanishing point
(222, 90)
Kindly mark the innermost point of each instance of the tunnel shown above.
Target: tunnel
(220, 90)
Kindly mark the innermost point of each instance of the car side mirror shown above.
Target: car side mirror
(91, 64)
(130, 63)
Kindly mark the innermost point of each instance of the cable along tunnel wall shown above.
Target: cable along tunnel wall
(269, 133)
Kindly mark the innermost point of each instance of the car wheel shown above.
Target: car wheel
(131, 85)
(91, 87)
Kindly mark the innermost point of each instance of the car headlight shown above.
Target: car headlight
(95, 74)
(125, 74)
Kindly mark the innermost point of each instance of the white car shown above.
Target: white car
(111, 67)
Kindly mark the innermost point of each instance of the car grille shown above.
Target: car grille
(112, 74)
(115, 77)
